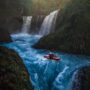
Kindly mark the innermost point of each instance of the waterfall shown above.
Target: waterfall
(26, 23)
(48, 24)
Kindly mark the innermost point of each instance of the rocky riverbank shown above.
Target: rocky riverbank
(13, 74)
(82, 79)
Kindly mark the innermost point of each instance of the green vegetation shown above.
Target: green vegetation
(43, 7)
(72, 29)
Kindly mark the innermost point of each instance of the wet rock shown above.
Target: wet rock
(13, 74)
(4, 36)
(14, 24)
(36, 23)
(82, 79)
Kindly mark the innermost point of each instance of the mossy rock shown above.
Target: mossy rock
(13, 74)
(82, 79)
(4, 36)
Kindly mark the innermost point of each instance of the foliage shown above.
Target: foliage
(30, 7)
(46, 6)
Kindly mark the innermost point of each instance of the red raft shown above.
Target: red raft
(52, 57)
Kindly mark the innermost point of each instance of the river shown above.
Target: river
(46, 74)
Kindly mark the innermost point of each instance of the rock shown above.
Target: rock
(10, 8)
(10, 15)
(13, 74)
(14, 24)
(36, 23)
(4, 36)
(82, 79)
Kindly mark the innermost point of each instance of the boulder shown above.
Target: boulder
(13, 74)
(4, 36)
(82, 79)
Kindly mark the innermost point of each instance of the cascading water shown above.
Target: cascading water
(47, 74)
(48, 24)
(26, 23)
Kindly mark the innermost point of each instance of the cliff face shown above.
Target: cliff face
(10, 8)
(10, 17)
(13, 74)
(72, 29)
(36, 23)
(14, 24)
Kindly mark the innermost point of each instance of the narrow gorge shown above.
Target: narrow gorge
(45, 47)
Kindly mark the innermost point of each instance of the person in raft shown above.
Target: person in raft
(52, 56)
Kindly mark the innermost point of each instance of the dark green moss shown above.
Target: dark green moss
(13, 74)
